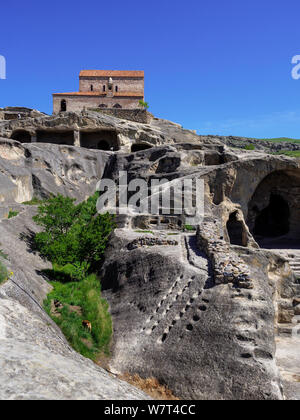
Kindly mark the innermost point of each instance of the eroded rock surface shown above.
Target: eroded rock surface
(199, 311)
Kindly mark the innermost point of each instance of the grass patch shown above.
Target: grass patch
(295, 153)
(85, 294)
(282, 139)
(189, 228)
(3, 271)
(12, 214)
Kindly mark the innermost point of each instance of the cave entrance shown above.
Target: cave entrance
(274, 211)
(236, 230)
(22, 136)
(274, 220)
(100, 139)
(138, 147)
(55, 137)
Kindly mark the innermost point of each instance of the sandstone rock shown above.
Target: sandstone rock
(197, 312)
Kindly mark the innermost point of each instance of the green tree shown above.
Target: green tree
(72, 234)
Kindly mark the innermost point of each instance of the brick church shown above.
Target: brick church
(103, 89)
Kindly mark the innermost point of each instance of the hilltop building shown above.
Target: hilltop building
(111, 89)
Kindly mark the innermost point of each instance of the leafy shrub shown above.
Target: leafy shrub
(249, 147)
(12, 214)
(143, 104)
(189, 227)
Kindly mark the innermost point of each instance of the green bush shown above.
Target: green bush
(189, 228)
(86, 295)
(72, 234)
(249, 147)
(12, 214)
(144, 104)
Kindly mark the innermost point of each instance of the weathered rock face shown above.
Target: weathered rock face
(173, 322)
(197, 311)
(39, 170)
(36, 362)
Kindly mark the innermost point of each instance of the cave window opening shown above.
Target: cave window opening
(22, 136)
(138, 147)
(274, 220)
(235, 230)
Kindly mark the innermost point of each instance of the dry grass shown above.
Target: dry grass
(150, 386)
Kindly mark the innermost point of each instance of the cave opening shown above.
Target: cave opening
(235, 230)
(100, 139)
(55, 137)
(274, 210)
(274, 220)
(138, 147)
(22, 136)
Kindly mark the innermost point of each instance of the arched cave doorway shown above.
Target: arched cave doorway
(236, 231)
(274, 220)
(100, 139)
(22, 136)
(63, 105)
(138, 147)
(274, 210)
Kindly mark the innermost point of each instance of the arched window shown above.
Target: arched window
(104, 88)
(102, 106)
(92, 88)
(117, 106)
(63, 105)
(117, 89)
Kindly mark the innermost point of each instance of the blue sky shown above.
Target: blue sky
(220, 67)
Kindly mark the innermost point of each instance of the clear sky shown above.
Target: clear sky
(221, 67)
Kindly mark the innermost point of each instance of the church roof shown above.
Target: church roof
(111, 73)
(102, 94)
